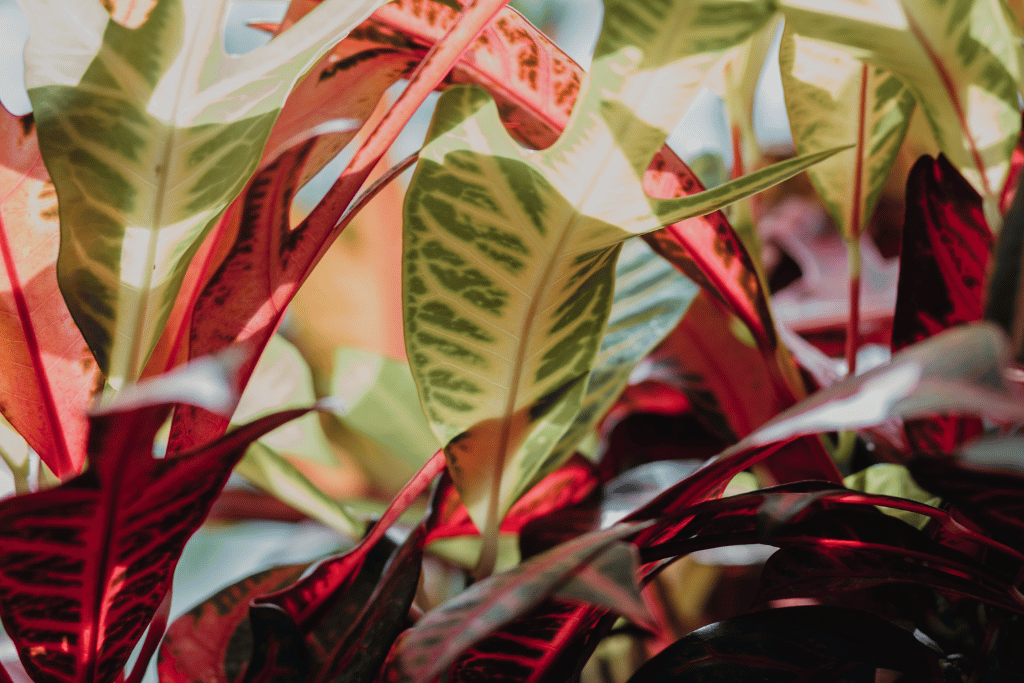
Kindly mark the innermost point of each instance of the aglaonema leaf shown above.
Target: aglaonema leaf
(86, 564)
(510, 253)
(831, 99)
(961, 60)
(47, 373)
(149, 134)
(793, 643)
(944, 259)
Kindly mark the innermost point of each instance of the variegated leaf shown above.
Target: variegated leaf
(832, 99)
(650, 298)
(509, 253)
(149, 133)
(961, 59)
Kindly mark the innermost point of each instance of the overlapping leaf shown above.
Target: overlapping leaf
(85, 565)
(831, 99)
(961, 61)
(149, 133)
(46, 371)
(509, 253)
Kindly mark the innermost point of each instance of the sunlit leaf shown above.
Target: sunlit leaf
(148, 145)
(833, 99)
(47, 373)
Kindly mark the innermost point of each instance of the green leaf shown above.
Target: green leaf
(833, 99)
(510, 253)
(889, 479)
(961, 59)
(382, 426)
(149, 133)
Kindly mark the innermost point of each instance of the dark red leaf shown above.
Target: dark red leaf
(794, 644)
(213, 641)
(945, 255)
(84, 566)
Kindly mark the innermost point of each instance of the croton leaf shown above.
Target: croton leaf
(832, 98)
(213, 640)
(115, 532)
(961, 61)
(794, 643)
(944, 259)
(510, 253)
(149, 133)
(47, 373)
(446, 631)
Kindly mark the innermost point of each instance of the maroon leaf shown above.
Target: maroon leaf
(213, 640)
(943, 263)
(794, 643)
(84, 566)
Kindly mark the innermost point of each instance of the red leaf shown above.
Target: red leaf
(203, 645)
(84, 566)
(47, 374)
(570, 484)
(947, 248)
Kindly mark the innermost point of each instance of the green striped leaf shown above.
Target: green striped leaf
(961, 59)
(650, 298)
(510, 253)
(832, 99)
(149, 133)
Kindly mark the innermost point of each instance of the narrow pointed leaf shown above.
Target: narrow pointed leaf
(610, 580)
(147, 147)
(961, 60)
(47, 374)
(833, 99)
(114, 533)
(440, 636)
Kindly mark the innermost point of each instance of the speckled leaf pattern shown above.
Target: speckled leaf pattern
(650, 298)
(834, 99)
(47, 374)
(960, 58)
(510, 253)
(147, 147)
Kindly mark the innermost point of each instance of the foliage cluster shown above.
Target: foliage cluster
(594, 383)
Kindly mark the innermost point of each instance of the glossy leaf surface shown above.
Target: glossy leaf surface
(148, 147)
(793, 643)
(47, 374)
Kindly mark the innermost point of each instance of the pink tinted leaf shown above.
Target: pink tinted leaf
(444, 633)
(115, 532)
(47, 374)
(610, 580)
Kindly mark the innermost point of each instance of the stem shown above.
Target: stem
(853, 323)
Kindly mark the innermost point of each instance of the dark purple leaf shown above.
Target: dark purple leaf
(794, 644)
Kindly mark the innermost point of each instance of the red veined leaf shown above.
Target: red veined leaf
(155, 633)
(438, 639)
(265, 246)
(47, 373)
(793, 643)
(114, 533)
(213, 640)
(571, 484)
(943, 263)
(1013, 177)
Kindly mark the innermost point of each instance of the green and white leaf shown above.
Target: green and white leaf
(510, 253)
(651, 296)
(149, 134)
(282, 380)
(832, 98)
(383, 425)
(961, 59)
